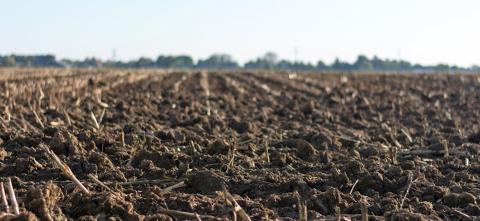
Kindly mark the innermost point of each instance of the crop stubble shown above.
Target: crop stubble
(240, 145)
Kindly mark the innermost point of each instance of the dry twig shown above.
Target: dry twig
(302, 209)
(410, 181)
(142, 182)
(231, 161)
(175, 186)
(100, 119)
(237, 209)
(41, 95)
(462, 214)
(67, 117)
(353, 187)
(4, 198)
(267, 155)
(94, 120)
(97, 181)
(122, 138)
(13, 198)
(66, 170)
(364, 212)
(186, 214)
(38, 119)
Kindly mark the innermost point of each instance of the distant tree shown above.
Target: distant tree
(164, 61)
(267, 61)
(297, 66)
(405, 65)
(255, 64)
(183, 61)
(363, 64)
(43, 61)
(301, 66)
(285, 64)
(341, 66)
(219, 61)
(321, 66)
(144, 63)
(66, 63)
(270, 59)
(377, 63)
(9, 61)
(89, 62)
(442, 68)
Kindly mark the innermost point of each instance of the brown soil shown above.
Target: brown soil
(172, 144)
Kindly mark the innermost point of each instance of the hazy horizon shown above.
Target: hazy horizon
(427, 32)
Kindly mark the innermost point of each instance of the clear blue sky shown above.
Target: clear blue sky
(423, 31)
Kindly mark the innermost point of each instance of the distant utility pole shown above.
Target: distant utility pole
(114, 54)
(295, 54)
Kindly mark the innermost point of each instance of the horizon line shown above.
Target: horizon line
(198, 58)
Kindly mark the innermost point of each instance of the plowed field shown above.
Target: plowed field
(163, 145)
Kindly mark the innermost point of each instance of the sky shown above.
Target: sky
(420, 31)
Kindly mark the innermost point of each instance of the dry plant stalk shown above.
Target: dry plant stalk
(142, 182)
(136, 149)
(231, 162)
(364, 212)
(98, 98)
(206, 89)
(393, 154)
(194, 151)
(237, 209)
(97, 181)
(353, 187)
(7, 91)
(13, 199)
(100, 119)
(302, 209)
(66, 170)
(67, 117)
(462, 214)
(198, 217)
(186, 214)
(172, 187)
(41, 95)
(407, 135)
(122, 138)
(4, 198)
(350, 217)
(94, 120)
(39, 121)
(267, 155)
(7, 112)
(410, 181)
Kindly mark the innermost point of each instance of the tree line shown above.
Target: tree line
(224, 61)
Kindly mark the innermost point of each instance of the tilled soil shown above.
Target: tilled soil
(160, 145)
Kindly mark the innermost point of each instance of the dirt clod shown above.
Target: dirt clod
(206, 182)
(44, 202)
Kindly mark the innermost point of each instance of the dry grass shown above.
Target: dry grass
(65, 170)
(13, 198)
(4, 198)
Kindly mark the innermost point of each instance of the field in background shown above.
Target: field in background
(152, 144)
